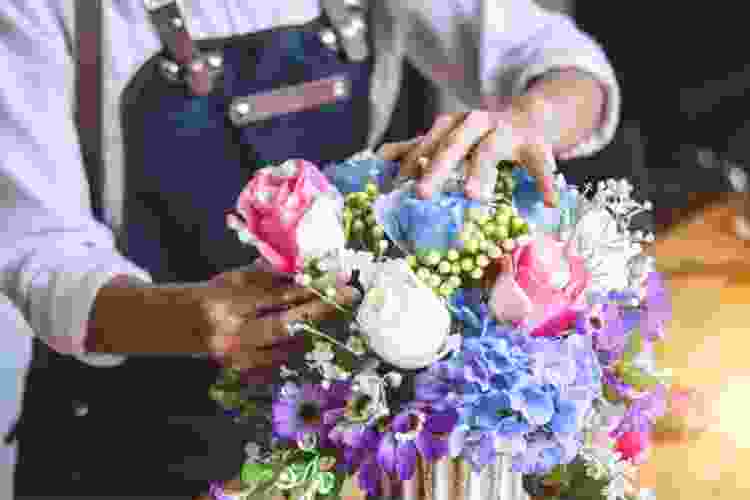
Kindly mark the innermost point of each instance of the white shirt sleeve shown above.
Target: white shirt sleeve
(15, 356)
(478, 48)
(54, 257)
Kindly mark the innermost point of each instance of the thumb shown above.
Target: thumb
(394, 151)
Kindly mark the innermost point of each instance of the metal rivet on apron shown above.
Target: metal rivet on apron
(157, 4)
(339, 88)
(215, 61)
(354, 27)
(328, 37)
(170, 67)
(177, 23)
(81, 410)
(242, 108)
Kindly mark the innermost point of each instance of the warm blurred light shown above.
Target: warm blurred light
(730, 411)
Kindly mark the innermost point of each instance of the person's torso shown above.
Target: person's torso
(148, 425)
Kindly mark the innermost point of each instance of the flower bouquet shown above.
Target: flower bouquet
(506, 341)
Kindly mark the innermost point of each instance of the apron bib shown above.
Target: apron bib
(148, 427)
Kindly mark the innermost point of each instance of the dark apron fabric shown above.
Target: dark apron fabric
(147, 428)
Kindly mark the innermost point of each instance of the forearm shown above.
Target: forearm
(134, 318)
(565, 107)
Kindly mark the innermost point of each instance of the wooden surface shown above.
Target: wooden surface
(708, 348)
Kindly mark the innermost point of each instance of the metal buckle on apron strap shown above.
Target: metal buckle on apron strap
(349, 21)
(189, 65)
(176, 73)
(292, 99)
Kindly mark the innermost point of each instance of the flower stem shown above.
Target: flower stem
(314, 331)
(332, 302)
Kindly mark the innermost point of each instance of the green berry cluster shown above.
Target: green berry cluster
(226, 392)
(485, 237)
(505, 183)
(360, 223)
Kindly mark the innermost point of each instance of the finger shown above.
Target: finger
(396, 150)
(541, 164)
(273, 329)
(454, 148)
(481, 170)
(258, 360)
(252, 275)
(430, 142)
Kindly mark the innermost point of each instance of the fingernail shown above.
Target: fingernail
(473, 189)
(424, 190)
(224, 344)
(550, 193)
(552, 199)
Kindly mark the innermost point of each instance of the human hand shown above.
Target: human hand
(482, 138)
(239, 317)
(248, 311)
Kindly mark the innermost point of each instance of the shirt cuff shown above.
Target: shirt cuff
(602, 72)
(61, 301)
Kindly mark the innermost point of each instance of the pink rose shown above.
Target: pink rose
(541, 287)
(291, 212)
(633, 446)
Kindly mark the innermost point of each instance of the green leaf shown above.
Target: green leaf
(634, 347)
(561, 474)
(253, 473)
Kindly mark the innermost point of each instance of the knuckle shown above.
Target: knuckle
(480, 119)
(444, 120)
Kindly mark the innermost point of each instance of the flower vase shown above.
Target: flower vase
(455, 480)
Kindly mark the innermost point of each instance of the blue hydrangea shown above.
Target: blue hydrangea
(417, 225)
(353, 174)
(530, 202)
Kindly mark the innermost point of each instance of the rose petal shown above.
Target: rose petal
(508, 301)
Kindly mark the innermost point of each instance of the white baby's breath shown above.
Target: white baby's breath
(601, 234)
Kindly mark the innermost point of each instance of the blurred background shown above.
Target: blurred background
(685, 77)
(685, 137)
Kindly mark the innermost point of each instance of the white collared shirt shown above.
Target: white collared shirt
(54, 256)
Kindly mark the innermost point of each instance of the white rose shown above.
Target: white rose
(321, 231)
(403, 320)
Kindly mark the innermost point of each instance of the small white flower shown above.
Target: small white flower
(287, 373)
(370, 385)
(252, 451)
(394, 379)
(646, 494)
(286, 170)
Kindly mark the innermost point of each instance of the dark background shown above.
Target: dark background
(684, 71)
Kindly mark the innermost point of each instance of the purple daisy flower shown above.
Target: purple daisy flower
(657, 308)
(301, 410)
(414, 432)
(643, 412)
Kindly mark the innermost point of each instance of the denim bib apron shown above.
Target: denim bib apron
(147, 428)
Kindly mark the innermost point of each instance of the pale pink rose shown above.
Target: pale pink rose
(274, 205)
(541, 287)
